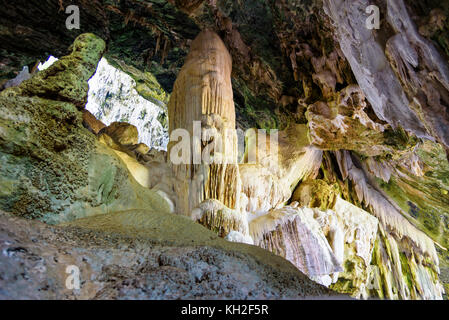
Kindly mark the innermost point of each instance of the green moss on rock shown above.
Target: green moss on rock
(53, 169)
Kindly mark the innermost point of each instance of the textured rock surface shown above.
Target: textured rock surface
(217, 217)
(419, 256)
(370, 66)
(294, 234)
(202, 95)
(333, 247)
(123, 134)
(315, 194)
(342, 123)
(91, 123)
(52, 167)
(161, 257)
(67, 79)
(407, 83)
(352, 233)
(273, 166)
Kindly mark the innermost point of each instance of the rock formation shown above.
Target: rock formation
(397, 93)
(91, 123)
(54, 169)
(277, 166)
(341, 167)
(165, 257)
(320, 242)
(115, 96)
(202, 97)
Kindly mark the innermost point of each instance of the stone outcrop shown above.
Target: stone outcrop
(415, 274)
(67, 80)
(352, 233)
(294, 234)
(407, 83)
(137, 99)
(54, 169)
(121, 133)
(333, 247)
(91, 123)
(315, 194)
(342, 123)
(370, 66)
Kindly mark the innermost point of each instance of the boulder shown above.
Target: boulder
(123, 134)
(91, 123)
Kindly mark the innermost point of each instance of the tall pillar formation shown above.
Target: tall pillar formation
(203, 93)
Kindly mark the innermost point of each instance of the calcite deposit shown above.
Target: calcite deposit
(202, 94)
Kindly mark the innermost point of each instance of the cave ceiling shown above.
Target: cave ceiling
(155, 36)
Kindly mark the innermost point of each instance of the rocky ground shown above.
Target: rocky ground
(168, 257)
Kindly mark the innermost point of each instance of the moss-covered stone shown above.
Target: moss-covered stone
(146, 83)
(316, 194)
(53, 168)
(67, 79)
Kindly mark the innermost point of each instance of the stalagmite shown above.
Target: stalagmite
(202, 104)
(316, 130)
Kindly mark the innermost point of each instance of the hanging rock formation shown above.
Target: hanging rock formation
(405, 257)
(407, 84)
(202, 97)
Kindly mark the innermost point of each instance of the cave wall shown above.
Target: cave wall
(307, 63)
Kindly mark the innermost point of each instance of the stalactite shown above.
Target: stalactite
(203, 93)
(388, 214)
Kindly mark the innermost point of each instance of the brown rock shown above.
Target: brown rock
(91, 123)
(122, 133)
(316, 194)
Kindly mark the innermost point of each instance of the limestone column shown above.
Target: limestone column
(202, 104)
